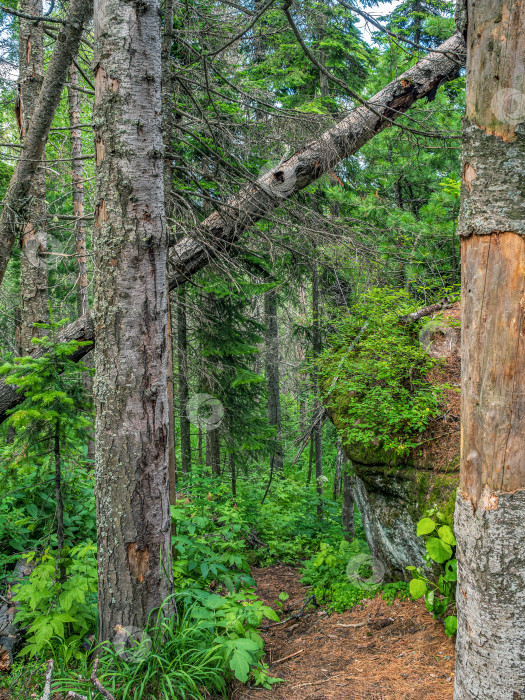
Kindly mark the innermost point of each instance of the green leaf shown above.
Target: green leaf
(445, 533)
(425, 526)
(438, 550)
(451, 625)
(240, 664)
(451, 570)
(418, 588)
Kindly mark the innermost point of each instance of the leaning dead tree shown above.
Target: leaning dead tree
(256, 201)
(222, 228)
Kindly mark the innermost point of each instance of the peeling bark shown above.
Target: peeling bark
(130, 313)
(490, 504)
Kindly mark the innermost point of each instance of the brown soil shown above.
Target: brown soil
(396, 652)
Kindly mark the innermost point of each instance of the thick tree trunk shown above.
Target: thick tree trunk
(33, 241)
(258, 200)
(184, 392)
(490, 505)
(130, 316)
(17, 199)
(338, 473)
(272, 375)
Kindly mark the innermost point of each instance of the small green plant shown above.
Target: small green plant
(439, 596)
(59, 612)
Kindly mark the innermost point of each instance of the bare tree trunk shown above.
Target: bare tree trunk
(199, 446)
(59, 501)
(272, 376)
(17, 199)
(184, 392)
(317, 432)
(347, 508)
(213, 451)
(490, 504)
(256, 201)
(338, 473)
(131, 315)
(310, 461)
(167, 132)
(77, 183)
(33, 241)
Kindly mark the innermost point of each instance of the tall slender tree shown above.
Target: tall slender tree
(490, 505)
(272, 376)
(33, 240)
(131, 316)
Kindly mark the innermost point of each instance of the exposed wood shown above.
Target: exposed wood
(490, 504)
(425, 311)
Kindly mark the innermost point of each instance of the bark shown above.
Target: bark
(130, 314)
(256, 201)
(338, 473)
(347, 508)
(33, 240)
(172, 462)
(272, 375)
(77, 182)
(490, 504)
(182, 345)
(17, 199)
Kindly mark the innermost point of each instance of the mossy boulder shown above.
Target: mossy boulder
(393, 492)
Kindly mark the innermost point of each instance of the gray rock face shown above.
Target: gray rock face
(387, 517)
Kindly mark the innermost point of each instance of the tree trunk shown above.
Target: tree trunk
(256, 201)
(317, 432)
(17, 200)
(130, 315)
(490, 505)
(77, 183)
(213, 451)
(167, 133)
(347, 508)
(184, 392)
(338, 473)
(310, 461)
(33, 265)
(272, 376)
(60, 504)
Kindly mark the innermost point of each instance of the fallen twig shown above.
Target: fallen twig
(426, 311)
(98, 685)
(356, 624)
(311, 598)
(47, 686)
(75, 696)
(285, 658)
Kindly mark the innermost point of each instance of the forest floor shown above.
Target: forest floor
(385, 652)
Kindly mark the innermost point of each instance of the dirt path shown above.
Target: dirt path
(395, 652)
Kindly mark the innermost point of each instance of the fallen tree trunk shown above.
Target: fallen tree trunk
(223, 228)
(17, 198)
(81, 329)
(258, 200)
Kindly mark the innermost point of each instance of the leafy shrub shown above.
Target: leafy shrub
(374, 374)
(59, 612)
(440, 596)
